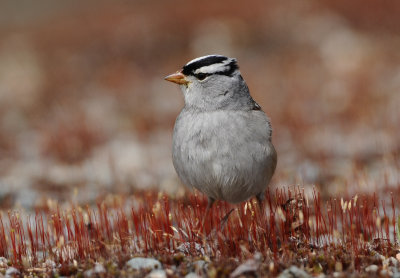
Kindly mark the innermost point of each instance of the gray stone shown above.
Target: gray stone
(12, 271)
(294, 272)
(157, 273)
(49, 264)
(97, 269)
(140, 263)
(192, 275)
(3, 262)
(391, 261)
(250, 267)
(372, 268)
(396, 273)
(199, 265)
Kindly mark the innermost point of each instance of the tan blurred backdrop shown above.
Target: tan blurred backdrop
(84, 109)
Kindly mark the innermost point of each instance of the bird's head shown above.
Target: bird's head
(211, 82)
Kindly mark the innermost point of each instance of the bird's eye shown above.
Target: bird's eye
(201, 76)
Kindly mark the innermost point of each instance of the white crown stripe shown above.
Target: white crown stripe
(218, 67)
(212, 69)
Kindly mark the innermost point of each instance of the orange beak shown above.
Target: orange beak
(178, 78)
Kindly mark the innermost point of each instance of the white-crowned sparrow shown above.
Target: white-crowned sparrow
(222, 139)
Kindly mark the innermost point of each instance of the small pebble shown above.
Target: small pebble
(199, 264)
(99, 268)
(371, 268)
(337, 274)
(294, 272)
(391, 261)
(139, 263)
(3, 262)
(49, 264)
(385, 273)
(12, 271)
(157, 273)
(192, 275)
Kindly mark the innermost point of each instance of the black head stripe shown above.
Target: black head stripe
(188, 69)
(232, 68)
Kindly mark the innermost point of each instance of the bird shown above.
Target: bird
(222, 138)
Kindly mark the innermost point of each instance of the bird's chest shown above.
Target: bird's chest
(202, 137)
(201, 149)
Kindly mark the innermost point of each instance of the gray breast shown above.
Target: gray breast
(227, 155)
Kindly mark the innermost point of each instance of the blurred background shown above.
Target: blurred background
(85, 112)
